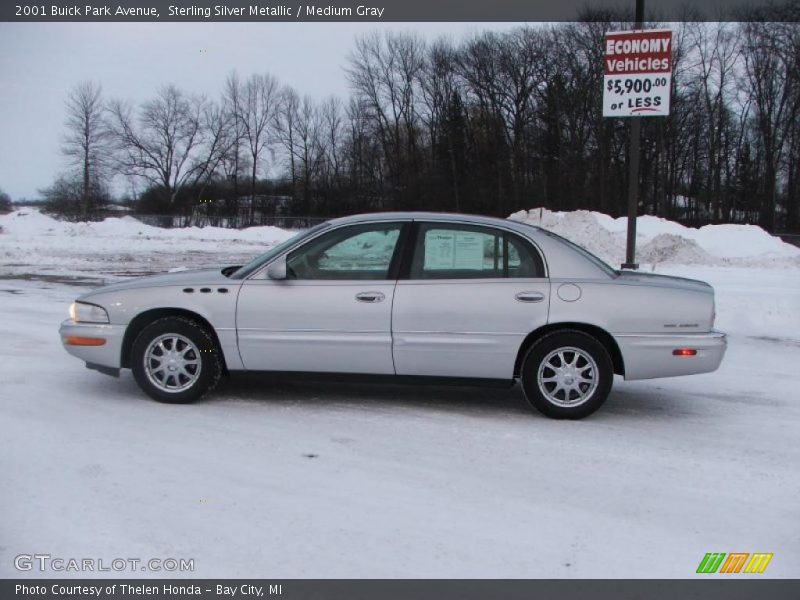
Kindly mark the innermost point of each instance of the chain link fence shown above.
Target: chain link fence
(227, 221)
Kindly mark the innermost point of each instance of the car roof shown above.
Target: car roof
(432, 216)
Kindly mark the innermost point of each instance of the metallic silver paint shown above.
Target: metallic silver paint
(318, 326)
(466, 327)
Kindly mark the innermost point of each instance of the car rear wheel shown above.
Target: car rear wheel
(175, 360)
(567, 375)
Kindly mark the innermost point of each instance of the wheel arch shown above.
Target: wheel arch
(598, 333)
(142, 320)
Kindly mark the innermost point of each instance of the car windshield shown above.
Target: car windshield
(262, 259)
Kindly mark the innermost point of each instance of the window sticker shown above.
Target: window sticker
(439, 249)
(445, 249)
(469, 251)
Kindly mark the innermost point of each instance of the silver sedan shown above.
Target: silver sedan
(408, 296)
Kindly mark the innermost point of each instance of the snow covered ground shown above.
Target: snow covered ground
(284, 478)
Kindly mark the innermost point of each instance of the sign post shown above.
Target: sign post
(637, 82)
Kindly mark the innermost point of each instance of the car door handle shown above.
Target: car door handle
(530, 296)
(370, 297)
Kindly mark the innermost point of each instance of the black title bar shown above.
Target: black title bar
(385, 10)
(711, 588)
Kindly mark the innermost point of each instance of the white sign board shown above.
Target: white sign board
(638, 73)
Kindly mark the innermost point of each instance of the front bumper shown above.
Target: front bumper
(650, 356)
(108, 355)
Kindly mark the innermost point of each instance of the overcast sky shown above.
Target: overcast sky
(40, 62)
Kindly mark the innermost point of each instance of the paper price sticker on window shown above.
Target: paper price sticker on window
(453, 250)
(469, 251)
(637, 73)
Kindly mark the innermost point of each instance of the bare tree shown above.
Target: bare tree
(771, 69)
(331, 136)
(504, 73)
(220, 142)
(165, 145)
(233, 163)
(86, 143)
(286, 128)
(309, 148)
(385, 72)
(257, 106)
(715, 56)
(438, 84)
(298, 128)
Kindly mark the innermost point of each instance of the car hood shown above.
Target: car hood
(190, 277)
(636, 278)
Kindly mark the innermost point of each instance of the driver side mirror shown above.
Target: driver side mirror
(277, 270)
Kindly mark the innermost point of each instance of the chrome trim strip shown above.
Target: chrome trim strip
(493, 333)
(687, 334)
(338, 331)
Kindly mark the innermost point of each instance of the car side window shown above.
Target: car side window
(523, 260)
(356, 252)
(445, 251)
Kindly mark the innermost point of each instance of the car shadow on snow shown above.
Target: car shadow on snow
(465, 399)
(285, 391)
(302, 390)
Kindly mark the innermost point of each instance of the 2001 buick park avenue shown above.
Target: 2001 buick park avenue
(406, 294)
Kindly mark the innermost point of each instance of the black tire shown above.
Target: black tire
(197, 381)
(582, 355)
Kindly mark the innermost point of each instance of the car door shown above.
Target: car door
(333, 312)
(468, 297)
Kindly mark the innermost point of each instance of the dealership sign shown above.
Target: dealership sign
(638, 73)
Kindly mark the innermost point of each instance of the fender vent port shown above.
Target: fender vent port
(222, 290)
(205, 290)
(188, 290)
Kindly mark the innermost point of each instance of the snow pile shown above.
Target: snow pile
(29, 222)
(660, 241)
(671, 248)
(35, 244)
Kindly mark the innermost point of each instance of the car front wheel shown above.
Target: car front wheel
(175, 360)
(567, 375)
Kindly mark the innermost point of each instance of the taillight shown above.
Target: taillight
(684, 352)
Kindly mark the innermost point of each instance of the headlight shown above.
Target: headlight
(81, 312)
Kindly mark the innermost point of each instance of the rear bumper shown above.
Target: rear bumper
(650, 356)
(108, 355)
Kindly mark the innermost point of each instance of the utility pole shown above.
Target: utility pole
(633, 170)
